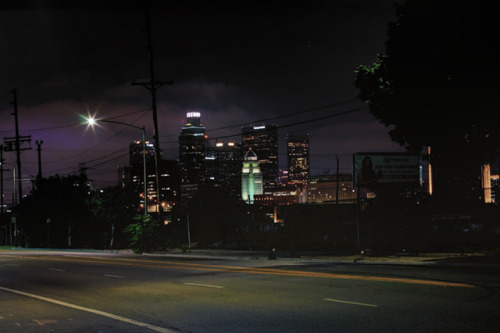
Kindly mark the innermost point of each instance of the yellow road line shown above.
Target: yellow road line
(247, 270)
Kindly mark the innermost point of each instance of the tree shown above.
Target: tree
(144, 234)
(54, 207)
(113, 208)
(215, 217)
(436, 86)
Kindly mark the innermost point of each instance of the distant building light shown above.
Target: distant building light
(259, 127)
(219, 144)
(193, 114)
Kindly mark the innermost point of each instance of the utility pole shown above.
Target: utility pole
(1, 179)
(16, 142)
(2, 170)
(189, 233)
(82, 168)
(152, 86)
(337, 195)
(18, 149)
(39, 150)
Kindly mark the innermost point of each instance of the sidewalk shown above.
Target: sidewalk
(448, 259)
(470, 259)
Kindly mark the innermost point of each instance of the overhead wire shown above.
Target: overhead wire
(290, 124)
(264, 120)
(103, 142)
(287, 115)
(238, 125)
(108, 139)
(106, 158)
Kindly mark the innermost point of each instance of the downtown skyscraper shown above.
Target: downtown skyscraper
(136, 160)
(192, 152)
(263, 140)
(223, 165)
(298, 159)
(251, 178)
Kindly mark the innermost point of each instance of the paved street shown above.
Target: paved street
(64, 291)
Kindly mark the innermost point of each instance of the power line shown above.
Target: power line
(282, 126)
(102, 142)
(296, 123)
(219, 137)
(78, 124)
(106, 156)
(289, 114)
(111, 160)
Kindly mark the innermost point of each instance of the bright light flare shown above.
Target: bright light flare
(90, 120)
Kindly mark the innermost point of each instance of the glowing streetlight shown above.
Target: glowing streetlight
(91, 122)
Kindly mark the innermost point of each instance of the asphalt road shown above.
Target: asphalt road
(97, 292)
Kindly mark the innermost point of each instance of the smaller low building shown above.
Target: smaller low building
(331, 189)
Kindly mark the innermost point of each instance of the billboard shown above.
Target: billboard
(371, 169)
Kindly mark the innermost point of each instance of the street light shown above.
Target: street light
(91, 121)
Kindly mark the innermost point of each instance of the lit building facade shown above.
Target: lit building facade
(136, 174)
(298, 159)
(192, 151)
(263, 140)
(251, 177)
(124, 178)
(169, 183)
(490, 184)
(223, 165)
(330, 189)
(280, 196)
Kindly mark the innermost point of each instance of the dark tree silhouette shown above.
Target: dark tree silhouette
(215, 217)
(55, 212)
(436, 86)
(113, 209)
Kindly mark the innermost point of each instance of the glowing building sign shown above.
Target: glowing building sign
(193, 114)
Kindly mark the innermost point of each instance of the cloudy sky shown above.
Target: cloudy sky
(284, 62)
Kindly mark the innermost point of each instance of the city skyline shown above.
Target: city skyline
(291, 65)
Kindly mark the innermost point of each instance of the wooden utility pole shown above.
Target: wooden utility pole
(152, 85)
(39, 150)
(17, 145)
(337, 194)
(16, 142)
(2, 170)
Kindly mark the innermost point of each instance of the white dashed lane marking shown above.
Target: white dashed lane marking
(203, 285)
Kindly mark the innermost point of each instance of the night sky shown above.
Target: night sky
(288, 63)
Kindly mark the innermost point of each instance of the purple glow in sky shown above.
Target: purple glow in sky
(236, 64)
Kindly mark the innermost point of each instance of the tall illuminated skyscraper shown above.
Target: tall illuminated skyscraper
(251, 177)
(263, 140)
(223, 165)
(133, 174)
(192, 151)
(298, 158)
(137, 169)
